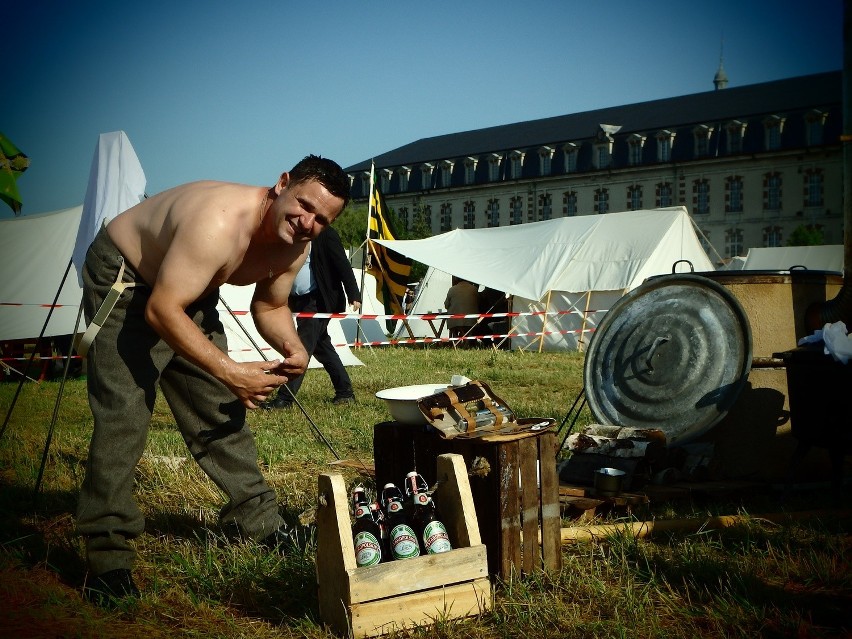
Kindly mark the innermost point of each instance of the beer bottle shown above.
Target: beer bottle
(379, 518)
(366, 536)
(401, 538)
(431, 533)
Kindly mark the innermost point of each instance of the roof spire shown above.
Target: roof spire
(720, 80)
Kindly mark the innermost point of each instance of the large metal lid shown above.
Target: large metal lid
(672, 354)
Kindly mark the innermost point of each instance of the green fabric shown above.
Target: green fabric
(12, 164)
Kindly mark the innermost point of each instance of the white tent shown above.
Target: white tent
(577, 267)
(782, 258)
(35, 251)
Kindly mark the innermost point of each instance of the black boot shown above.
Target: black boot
(107, 589)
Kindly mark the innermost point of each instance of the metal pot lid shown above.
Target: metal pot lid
(672, 354)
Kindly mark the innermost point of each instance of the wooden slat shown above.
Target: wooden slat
(420, 573)
(551, 521)
(457, 509)
(459, 600)
(510, 515)
(528, 461)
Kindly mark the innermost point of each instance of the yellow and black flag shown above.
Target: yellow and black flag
(12, 164)
(390, 269)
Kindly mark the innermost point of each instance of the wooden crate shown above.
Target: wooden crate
(374, 600)
(514, 484)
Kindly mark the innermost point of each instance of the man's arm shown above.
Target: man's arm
(189, 271)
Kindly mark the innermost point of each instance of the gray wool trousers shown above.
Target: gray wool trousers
(126, 363)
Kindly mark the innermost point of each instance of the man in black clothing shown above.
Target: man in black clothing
(323, 285)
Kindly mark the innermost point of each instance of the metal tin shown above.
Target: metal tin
(673, 354)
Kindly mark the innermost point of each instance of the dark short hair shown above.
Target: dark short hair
(326, 172)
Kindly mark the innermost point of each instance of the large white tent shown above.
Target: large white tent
(569, 270)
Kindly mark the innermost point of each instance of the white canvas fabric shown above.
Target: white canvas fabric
(783, 258)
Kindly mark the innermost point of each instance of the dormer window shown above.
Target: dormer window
(426, 175)
(570, 151)
(403, 173)
(494, 167)
(635, 144)
(385, 179)
(446, 173)
(701, 135)
(814, 126)
(736, 132)
(365, 183)
(603, 146)
(516, 164)
(665, 140)
(470, 170)
(773, 127)
(545, 156)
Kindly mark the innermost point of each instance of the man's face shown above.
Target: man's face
(304, 209)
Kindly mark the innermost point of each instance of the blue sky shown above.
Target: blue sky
(240, 91)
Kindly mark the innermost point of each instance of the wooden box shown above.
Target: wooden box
(374, 600)
(513, 481)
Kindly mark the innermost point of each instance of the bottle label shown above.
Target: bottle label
(368, 552)
(435, 538)
(404, 542)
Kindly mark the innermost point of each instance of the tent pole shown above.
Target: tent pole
(544, 322)
(582, 338)
(292, 396)
(35, 349)
(55, 411)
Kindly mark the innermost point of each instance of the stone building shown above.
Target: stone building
(750, 163)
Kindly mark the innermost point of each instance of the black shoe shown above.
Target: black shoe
(277, 402)
(340, 400)
(107, 589)
(281, 539)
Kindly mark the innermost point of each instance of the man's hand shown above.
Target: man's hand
(356, 306)
(252, 382)
(295, 362)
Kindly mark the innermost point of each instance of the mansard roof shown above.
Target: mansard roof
(714, 107)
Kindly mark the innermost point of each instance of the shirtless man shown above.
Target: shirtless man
(177, 248)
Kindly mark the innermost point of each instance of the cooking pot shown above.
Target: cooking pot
(609, 481)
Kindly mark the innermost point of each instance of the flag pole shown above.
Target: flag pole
(366, 248)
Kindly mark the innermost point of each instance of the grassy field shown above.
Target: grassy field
(754, 579)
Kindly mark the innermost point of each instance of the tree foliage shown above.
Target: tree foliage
(805, 235)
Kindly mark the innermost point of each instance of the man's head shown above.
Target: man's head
(326, 172)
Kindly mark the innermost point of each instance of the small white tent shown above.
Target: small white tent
(828, 257)
(577, 267)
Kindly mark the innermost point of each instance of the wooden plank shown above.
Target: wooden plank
(367, 467)
(335, 553)
(510, 515)
(551, 521)
(459, 600)
(528, 461)
(420, 573)
(455, 502)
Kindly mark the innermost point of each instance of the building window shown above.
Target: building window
(494, 167)
(570, 152)
(545, 207)
(493, 213)
(545, 156)
(665, 139)
(426, 172)
(469, 215)
(664, 194)
(470, 170)
(385, 179)
(814, 126)
(601, 201)
(635, 144)
(402, 214)
(569, 203)
(701, 197)
(736, 133)
(733, 242)
(813, 187)
(516, 164)
(602, 156)
(704, 240)
(734, 194)
(446, 173)
(446, 217)
(702, 135)
(772, 192)
(772, 236)
(516, 208)
(403, 172)
(634, 198)
(773, 126)
(365, 183)
(426, 211)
